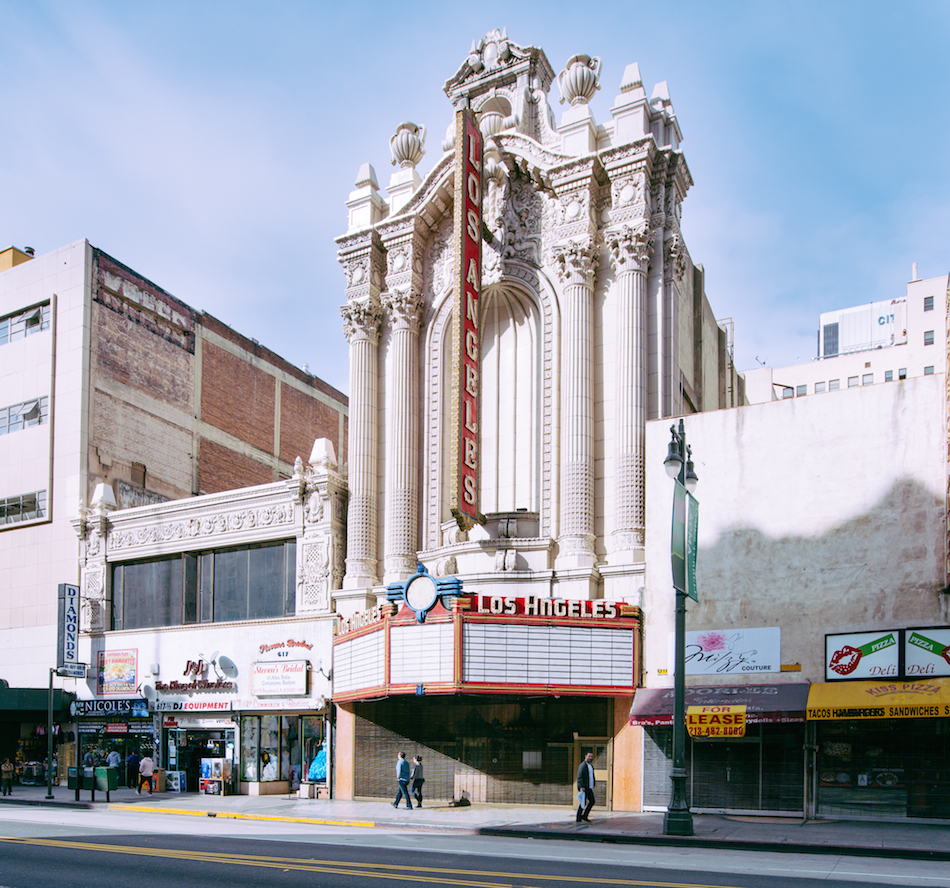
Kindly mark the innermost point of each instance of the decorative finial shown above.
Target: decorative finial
(408, 145)
(580, 79)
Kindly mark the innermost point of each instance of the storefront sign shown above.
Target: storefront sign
(280, 679)
(926, 652)
(191, 705)
(67, 652)
(466, 314)
(285, 646)
(357, 621)
(135, 707)
(535, 606)
(117, 728)
(927, 698)
(862, 655)
(187, 687)
(716, 721)
(731, 651)
(118, 672)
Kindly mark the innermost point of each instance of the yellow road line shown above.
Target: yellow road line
(430, 875)
(229, 815)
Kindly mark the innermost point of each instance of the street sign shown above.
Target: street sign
(72, 670)
(684, 535)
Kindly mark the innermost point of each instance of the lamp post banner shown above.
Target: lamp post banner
(683, 540)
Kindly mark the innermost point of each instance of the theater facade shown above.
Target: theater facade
(515, 316)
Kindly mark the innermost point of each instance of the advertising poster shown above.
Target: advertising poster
(731, 651)
(862, 655)
(926, 652)
(118, 672)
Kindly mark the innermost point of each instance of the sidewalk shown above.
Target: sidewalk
(906, 840)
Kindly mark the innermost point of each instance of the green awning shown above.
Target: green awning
(34, 699)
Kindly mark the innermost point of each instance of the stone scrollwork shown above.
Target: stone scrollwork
(676, 259)
(314, 509)
(207, 525)
(314, 573)
(93, 600)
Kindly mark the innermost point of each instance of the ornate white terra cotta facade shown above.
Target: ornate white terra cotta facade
(593, 320)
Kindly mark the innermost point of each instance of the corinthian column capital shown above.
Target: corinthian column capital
(361, 320)
(577, 261)
(404, 308)
(630, 248)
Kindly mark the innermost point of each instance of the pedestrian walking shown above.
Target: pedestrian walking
(6, 776)
(585, 786)
(417, 780)
(402, 780)
(132, 769)
(146, 769)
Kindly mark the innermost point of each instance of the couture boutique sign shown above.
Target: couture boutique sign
(732, 651)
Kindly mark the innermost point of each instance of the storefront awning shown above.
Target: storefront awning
(765, 704)
(33, 699)
(921, 698)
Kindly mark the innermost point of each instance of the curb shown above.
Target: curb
(721, 844)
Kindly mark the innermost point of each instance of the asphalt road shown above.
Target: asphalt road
(77, 849)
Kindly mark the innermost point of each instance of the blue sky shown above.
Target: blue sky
(211, 145)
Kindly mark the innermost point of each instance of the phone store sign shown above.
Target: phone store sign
(888, 653)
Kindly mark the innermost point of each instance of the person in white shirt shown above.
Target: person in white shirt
(146, 769)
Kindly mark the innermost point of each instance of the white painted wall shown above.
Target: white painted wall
(816, 515)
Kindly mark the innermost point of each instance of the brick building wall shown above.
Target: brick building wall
(182, 404)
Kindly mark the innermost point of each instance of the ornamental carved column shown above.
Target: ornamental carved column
(629, 255)
(361, 322)
(577, 261)
(402, 435)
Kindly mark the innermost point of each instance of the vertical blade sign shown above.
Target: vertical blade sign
(468, 234)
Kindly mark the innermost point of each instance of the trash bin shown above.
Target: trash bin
(107, 779)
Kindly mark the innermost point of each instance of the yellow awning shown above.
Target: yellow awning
(923, 698)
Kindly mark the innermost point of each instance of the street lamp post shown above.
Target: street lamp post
(678, 820)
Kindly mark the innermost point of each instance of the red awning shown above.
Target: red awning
(767, 704)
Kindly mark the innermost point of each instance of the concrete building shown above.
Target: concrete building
(823, 607)
(869, 344)
(591, 319)
(110, 383)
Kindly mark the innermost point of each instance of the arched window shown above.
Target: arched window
(510, 401)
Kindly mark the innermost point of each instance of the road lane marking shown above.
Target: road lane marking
(429, 875)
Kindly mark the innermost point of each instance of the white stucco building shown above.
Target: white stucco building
(823, 606)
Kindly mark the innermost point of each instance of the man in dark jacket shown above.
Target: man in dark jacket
(402, 779)
(132, 769)
(585, 785)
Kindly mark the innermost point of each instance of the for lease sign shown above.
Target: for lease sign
(715, 721)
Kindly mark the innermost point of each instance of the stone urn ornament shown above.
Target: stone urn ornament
(408, 145)
(580, 79)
